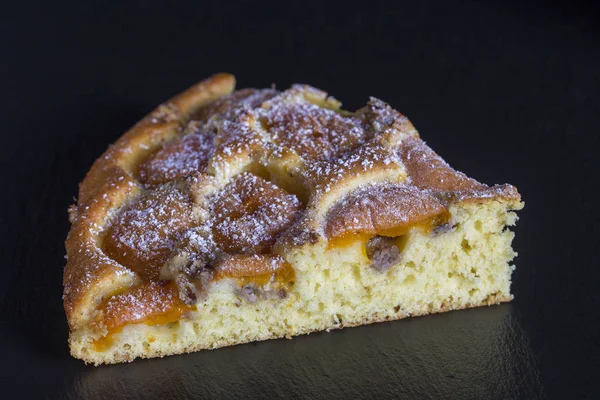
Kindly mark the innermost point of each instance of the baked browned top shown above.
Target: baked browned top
(213, 185)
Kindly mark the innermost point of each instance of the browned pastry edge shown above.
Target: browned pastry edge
(89, 274)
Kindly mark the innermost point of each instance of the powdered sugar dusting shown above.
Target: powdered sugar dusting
(178, 159)
(429, 172)
(230, 106)
(148, 300)
(313, 132)
(381, 207)
(326, 174)
(146, 232)
(250, 213)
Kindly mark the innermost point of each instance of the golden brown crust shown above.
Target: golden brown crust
(89, 274)
(429, 172)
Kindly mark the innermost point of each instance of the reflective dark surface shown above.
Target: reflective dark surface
(506, 93)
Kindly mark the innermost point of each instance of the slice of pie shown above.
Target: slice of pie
(230, 217)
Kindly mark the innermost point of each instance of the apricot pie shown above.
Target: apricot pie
(226, 217)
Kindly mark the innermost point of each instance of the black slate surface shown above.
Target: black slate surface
(505, 92)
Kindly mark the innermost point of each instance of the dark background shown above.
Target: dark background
(505, 92)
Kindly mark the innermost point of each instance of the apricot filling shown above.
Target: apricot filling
(259, 269)
(151, 303)
(250, 212)
(350, 237)
(158, 303)
(143, 234)
(385, 210)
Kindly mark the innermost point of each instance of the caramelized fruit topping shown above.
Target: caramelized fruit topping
(258, 269)
(311, 131)
(250, 213)
(143, 235)
(179, 159)
(152, 303)
(384, 210)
